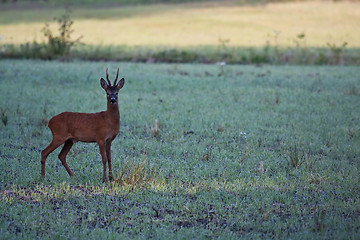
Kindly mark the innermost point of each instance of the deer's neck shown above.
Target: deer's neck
(113, 111)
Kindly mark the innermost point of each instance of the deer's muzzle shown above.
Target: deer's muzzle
(113, 100)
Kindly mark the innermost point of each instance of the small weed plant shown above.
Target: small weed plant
(59, 45)
(296, 157)
(319, 216)
(337, 52)
(56, 45)
(4, 117)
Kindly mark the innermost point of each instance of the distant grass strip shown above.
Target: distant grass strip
(335, 55)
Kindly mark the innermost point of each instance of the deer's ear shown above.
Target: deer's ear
(103, 84)
(120, 84)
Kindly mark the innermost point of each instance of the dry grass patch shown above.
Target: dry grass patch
(137, 173)
(197, 24)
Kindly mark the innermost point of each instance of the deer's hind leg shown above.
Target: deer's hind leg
(102, 147)
(62, 155)
(55, 143)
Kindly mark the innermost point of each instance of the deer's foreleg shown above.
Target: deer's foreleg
(108, 154)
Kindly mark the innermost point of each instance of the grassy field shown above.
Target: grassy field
(184, 25)
(243, 151)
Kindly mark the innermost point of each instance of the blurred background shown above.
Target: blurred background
(231, 31)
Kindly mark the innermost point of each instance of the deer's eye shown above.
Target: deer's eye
(116, 94)
(108, 94)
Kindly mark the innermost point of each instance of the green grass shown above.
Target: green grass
(242, 152)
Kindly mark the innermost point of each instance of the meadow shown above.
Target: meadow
(239, 151)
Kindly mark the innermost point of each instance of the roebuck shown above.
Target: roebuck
(68, 128)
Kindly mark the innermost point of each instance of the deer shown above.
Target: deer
(102, 128)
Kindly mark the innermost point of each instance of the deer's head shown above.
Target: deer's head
(112, 91)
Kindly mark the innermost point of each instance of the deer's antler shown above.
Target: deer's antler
(107, 77)
(117, 75)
